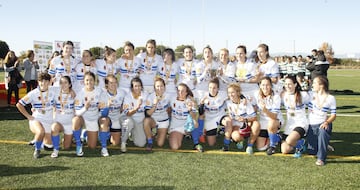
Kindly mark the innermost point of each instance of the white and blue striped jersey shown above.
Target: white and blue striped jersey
(160, 113)
(168, 73)
(187, 74)
(295, 114)
(130, 103)
(42, 103)
(64, 107)
(179, 113)
(272, 103)
(149, 68)
(128, 69)
(103, 70)
(204, 73)
(318, 110)
(80, 70)
(114, 102)
(59, 68)
(92, 113)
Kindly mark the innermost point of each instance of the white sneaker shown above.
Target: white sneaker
(55, 154)
(123, 147)
(104, 152)
(79, 151)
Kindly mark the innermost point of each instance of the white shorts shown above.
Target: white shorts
(138, 134)
(163, 124)
(45, 124)
(115, 124)
(66, 122)
(212, 123)
(177, 129)
(91, 125)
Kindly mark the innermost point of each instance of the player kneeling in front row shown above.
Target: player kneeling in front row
(297, 124)
(157, 114)
(64, 112)
(42, 102)
(87, 113)
(241, 120)
(211, 110)
(268, 103)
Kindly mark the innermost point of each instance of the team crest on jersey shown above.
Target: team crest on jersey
(59, 98)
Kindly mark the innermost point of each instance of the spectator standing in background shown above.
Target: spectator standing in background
(13, 77)
(31, 71)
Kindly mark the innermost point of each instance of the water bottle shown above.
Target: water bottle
(189, 125)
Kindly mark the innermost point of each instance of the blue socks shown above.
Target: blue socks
(226, 141)
(150, 141)
(201, 127)
(274, 139)
(76, 134)
(104, 136)
(195, 136)
(250, 145)
(300, 143)
(38, 145)
(56, 142)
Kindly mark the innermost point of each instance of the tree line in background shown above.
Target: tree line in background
(99, 51)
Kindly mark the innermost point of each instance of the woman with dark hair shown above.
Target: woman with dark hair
(319, 133)
(110, 105)
(134, 108)
(64, 113)
(87, 64)
(87, 114)
(150, 65)
(246, 72)
(268, 68)
(168, 71)
(212, 110)
(187, 74)
(106, 66)
(41, 119)
(63, 65)
(53, 55)
(129, 66)
(268, 104)
(13, 77)
(183, 108)
(297, 124)
(157, 114)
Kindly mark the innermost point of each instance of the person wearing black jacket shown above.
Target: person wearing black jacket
(318, 66)
(13, 77)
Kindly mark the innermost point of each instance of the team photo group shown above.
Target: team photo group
(153, 100)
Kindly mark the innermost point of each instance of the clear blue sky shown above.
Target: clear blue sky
(285, 25)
